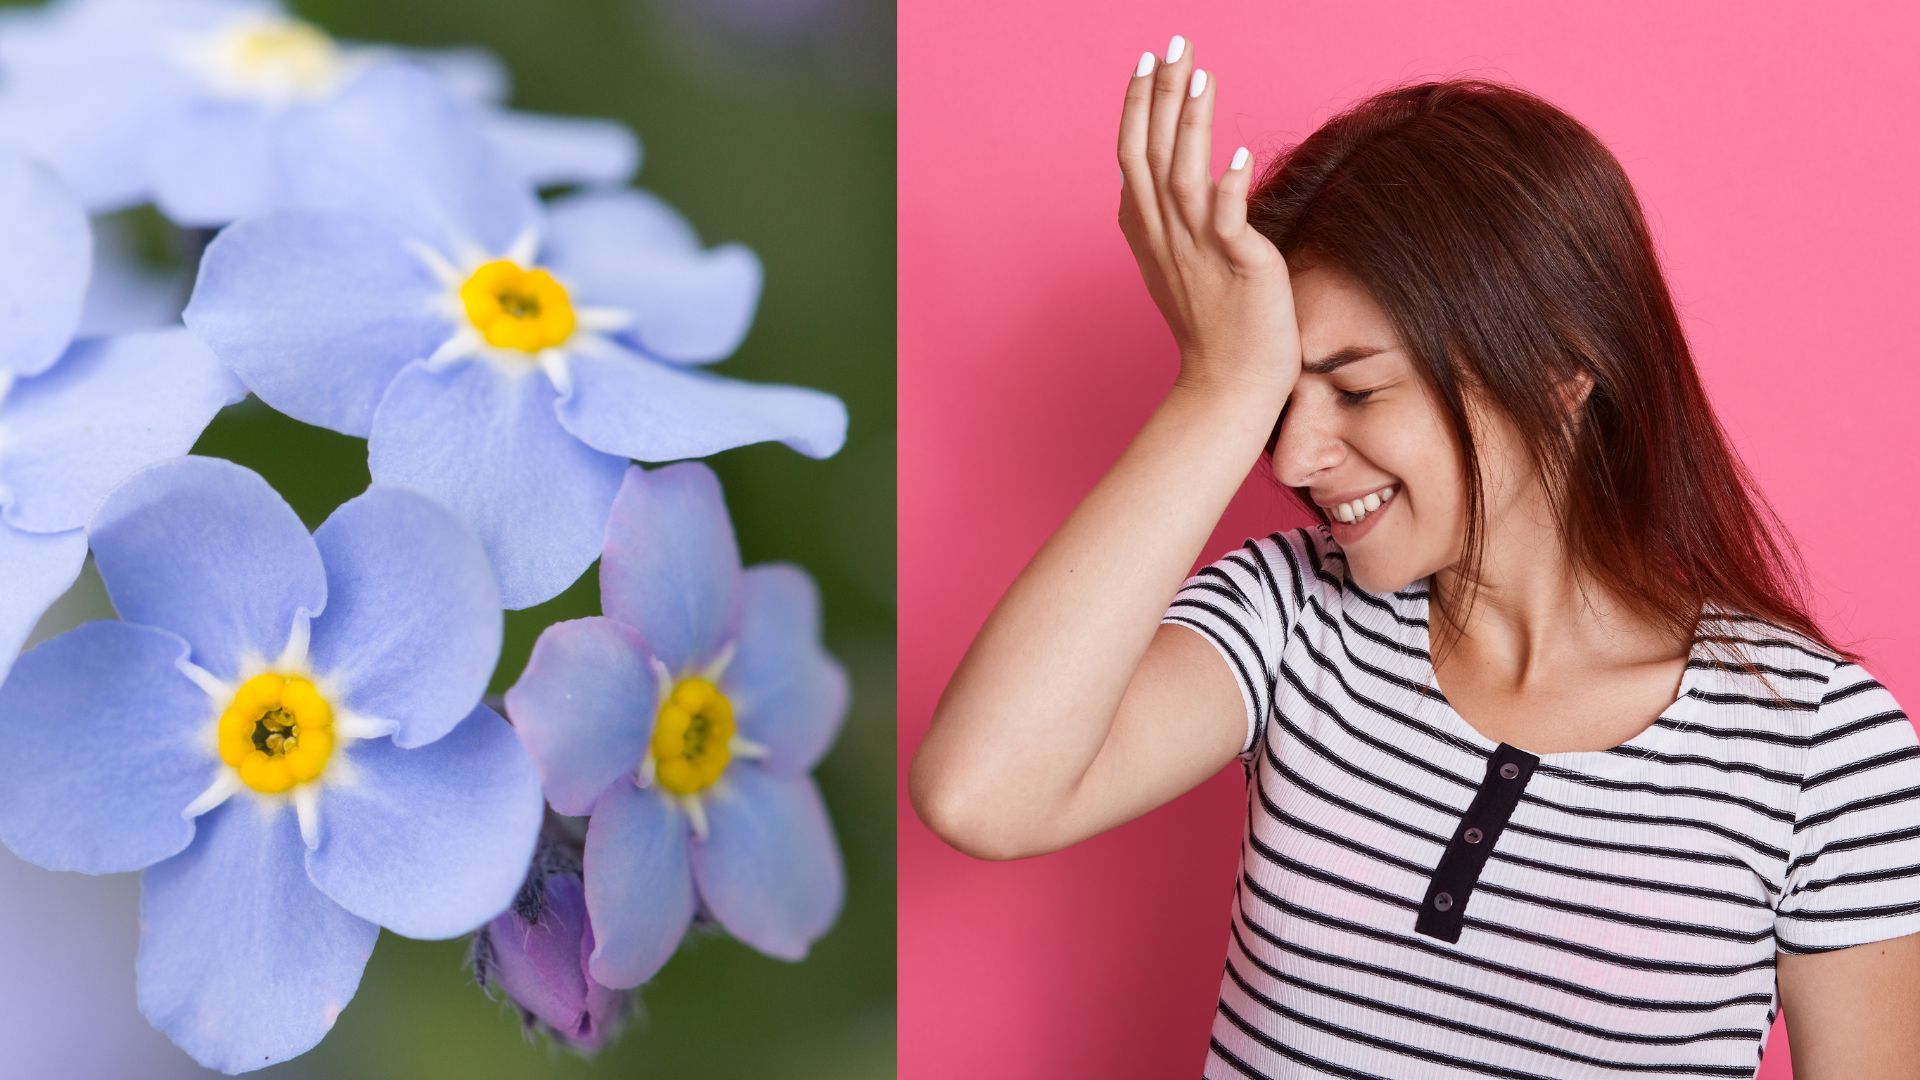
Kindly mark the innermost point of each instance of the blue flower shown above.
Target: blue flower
(75, 418)
(687, 721)
(182, 101)
(504, 360)
(285, 733)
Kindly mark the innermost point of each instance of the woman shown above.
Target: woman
(1651, 784)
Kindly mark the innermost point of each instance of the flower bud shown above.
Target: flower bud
(536, 953)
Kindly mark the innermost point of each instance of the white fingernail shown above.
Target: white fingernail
(1176, 49)
(1145, 65)
(1198, 84)
(1239, 158)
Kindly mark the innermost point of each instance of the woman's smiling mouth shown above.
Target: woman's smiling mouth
(1353, 516)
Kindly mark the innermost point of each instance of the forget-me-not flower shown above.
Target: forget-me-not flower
(285, 732)
(505, 360)
(687, 721)
(75, 418)
(181, 102)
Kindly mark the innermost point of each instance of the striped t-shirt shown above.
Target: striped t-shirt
(1417, 900)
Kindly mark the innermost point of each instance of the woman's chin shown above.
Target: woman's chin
(1379, 579)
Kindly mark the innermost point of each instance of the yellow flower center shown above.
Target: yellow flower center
(692, 736)
(270, 58)
(514, 307)
(277, 733)
(294, 51)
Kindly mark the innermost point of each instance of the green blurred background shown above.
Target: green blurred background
(770, 123)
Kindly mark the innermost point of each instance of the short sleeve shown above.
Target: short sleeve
(1853, 870)
(1244, 603)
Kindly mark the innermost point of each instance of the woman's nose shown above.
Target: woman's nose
(1307, 446)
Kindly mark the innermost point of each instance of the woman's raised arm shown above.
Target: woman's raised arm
(1073, 710)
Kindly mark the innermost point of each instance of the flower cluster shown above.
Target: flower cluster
(284, 730)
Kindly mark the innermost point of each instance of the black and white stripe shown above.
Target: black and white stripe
(1626, 919)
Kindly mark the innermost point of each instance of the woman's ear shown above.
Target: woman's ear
(1573, 392)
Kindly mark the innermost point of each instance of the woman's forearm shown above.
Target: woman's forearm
(1031, 702)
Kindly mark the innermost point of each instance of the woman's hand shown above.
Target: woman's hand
(1222, 286)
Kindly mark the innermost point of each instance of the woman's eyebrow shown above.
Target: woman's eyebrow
(1348, 355)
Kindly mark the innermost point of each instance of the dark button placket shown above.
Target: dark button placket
(1444, 910)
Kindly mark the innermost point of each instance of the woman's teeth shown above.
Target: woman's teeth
(1357, 510)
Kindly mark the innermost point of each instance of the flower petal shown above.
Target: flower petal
(102, 745)
(206, 549)
(471, 72)
(88, 93)
(648, 410)
(640, 896)
(770, 868)
(317, 312)
(412, 628)
(398, 146)
(111, 407)
(485, 443)
(549, 150)
(433, 842)
(88, 133)
(584, 708)
(214, 164)
(243, 963)
(43, 265)
(631, 251)
(671, 568)
(40, 567)
(788, 694)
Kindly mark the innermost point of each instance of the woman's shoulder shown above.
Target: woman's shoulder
(1750, 655)
(1297, 563)
(1305, 566)
(1730, 636)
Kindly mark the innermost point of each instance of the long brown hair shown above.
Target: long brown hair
(1506, 245)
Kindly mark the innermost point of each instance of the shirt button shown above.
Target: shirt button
(1509, 770)
(1473, 836)
(1443, 901)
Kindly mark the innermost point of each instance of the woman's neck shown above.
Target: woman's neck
(1535, 616)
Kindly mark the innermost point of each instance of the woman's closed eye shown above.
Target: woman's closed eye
(1356, 397)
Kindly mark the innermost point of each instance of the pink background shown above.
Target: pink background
(1775, 157)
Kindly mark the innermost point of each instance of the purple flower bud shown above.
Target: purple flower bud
(536, 952)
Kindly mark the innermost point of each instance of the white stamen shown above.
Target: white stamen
(470, 255)
(697, 814)
(306, 807)
(294, 656)
(712, 671)
(445, 272)
(464, 343)
(215, 687)
(554, 363)
(601, 320)
(524, 246)
(352, 725)
(662, 679)
(225, 783)
(644, 775)
(743, 747)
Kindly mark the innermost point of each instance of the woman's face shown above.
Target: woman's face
(1357, 425)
